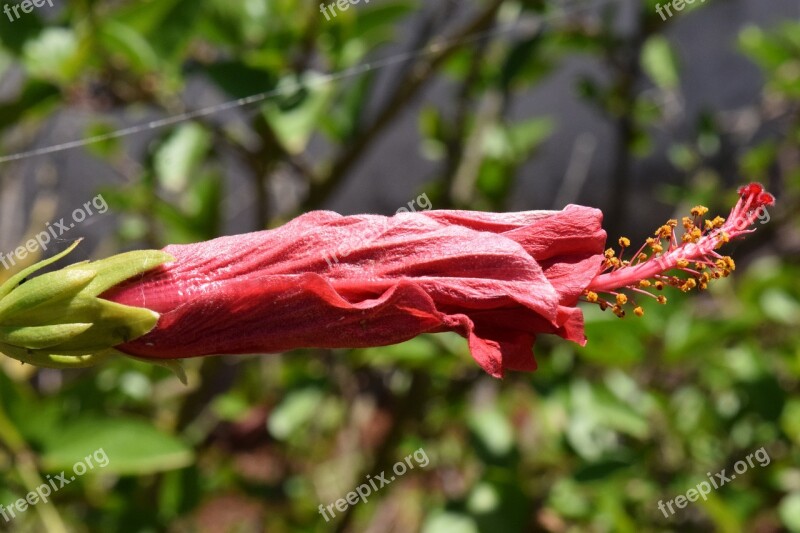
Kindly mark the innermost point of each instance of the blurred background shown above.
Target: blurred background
(193, 119)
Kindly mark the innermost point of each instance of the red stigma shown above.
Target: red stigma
(765, 198)
(752, 189)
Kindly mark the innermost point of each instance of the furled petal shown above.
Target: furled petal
(325, 280)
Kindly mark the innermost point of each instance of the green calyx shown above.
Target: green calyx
(57, 320)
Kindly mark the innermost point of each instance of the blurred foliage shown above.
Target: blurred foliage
(590, 442)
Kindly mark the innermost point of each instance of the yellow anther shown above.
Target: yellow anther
(591, 296)
(699, 210)
(638, 311)
(692, 235)
(610, 253)
(624, 242)
(672, 223)
(619, 311)
(664, 232)
(622, 299)
(642, 257)
(682, 263)
(643, 284)
(661, 299)
(657, 248)
(688, 223)
(660, 285)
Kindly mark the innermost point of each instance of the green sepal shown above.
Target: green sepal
(175, 365)
(58, 320)
(17, 278)
(115, 324)
(111, 323)
(117, 268)
(46, 359)
(45, 289)
(38, 337)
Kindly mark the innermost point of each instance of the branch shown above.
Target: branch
(320, 191)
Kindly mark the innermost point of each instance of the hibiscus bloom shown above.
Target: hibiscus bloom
(331, 281)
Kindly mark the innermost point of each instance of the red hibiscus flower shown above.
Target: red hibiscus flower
(329, 281)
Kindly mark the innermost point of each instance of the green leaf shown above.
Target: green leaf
(607, 330)
(526, 135)
(294, 127)
(521, 59)
(36, 98)
(381, 16)
(130, 446)
(790, 420)
(178, 159)
(239, 79)
(54, 55)
(493, 430)
(659, 62)
(130, 44)
(763, 48)
(757, 160)
(294, 412)
(789, 511)
(379, 22)
(167, 24)
(102, 148)
(450, 522)
(780, 307)
(417, 352)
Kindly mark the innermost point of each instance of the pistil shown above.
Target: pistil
(697, 246)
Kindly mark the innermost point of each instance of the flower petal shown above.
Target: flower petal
(325, 280)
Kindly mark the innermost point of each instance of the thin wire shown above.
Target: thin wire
(532, 26)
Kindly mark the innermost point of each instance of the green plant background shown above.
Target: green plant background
(590, 442)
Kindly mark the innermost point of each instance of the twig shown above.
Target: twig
(320, 191)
